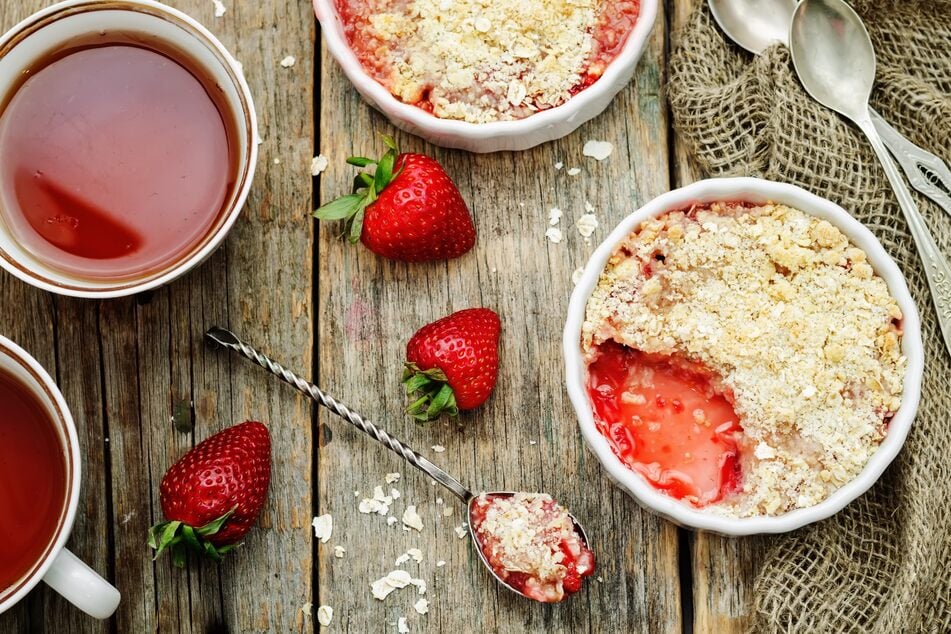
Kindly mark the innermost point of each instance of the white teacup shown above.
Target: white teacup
(59, 568)
(49, 30)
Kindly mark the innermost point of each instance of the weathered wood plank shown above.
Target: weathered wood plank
(369, 307)
(724, 569)
(153, 385)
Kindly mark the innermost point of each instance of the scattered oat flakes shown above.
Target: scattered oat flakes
(339, 552)
(554, 215)
(323, 527)
(421, 606)
(482, 24)
(379, 503)
(586, 225)
(401, 625)
(533, 442)
(559, 165)
(391, 520)
(600, 579)
(440, 563)
(277, 161)
(356, 494)
(402, 559)
(439, 448)
(394, 493)
(288, 61)
(411, 518)
(574, 171)
(461, 531)
(390, 478)
(576, 276)
(416, 554)
(219, 8)
(553, 234)
(598, 150)
(395, 580)
(447, 511)
(325, 615)
(306, 608)
(318, 164)
(588, 207)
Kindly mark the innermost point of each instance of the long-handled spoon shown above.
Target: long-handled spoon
(757, 24)
(229, 340)
(834, 59)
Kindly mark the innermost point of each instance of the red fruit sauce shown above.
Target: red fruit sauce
(32, 481)
(664, 419)
(116, 159)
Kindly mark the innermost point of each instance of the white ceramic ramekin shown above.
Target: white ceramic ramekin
(499, 135)
(755, 191)
(54, 27)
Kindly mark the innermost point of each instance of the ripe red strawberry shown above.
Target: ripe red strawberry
(214, 494)
(408, 210)
(452, 363)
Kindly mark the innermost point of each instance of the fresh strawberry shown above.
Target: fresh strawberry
(452, 363)
(408, 209)
(214, 494)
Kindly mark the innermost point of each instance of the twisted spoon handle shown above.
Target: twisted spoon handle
(229, 340)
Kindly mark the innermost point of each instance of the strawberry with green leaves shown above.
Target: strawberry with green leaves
(213, 496)
(408, 209)
(452, 364)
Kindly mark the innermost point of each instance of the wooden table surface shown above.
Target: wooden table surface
(144, 388)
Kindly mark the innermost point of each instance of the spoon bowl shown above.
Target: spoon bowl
(754, 24)
(833, 55)
(579, 529)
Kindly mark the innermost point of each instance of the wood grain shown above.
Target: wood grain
(143, 387)
(526, 437)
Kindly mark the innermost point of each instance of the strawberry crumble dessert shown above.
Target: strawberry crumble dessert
(531, 543)
(482, 61)
(745, 359)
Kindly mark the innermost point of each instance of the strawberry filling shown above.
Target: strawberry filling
(665, 419)
(531, 543)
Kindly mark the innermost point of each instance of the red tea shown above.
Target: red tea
(116, 158)
(32, 480)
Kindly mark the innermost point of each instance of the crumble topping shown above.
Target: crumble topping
(531, 542)
(801, 333)
(485, 60)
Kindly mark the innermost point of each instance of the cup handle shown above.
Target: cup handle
(82, 586)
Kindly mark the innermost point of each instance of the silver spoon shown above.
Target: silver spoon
(757, 24)
(229, 340)
(834, 59)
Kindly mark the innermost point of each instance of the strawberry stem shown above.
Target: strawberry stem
(178, 538)
(366, 187)
(433, 396)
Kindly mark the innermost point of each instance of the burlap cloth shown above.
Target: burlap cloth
(884, 563)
